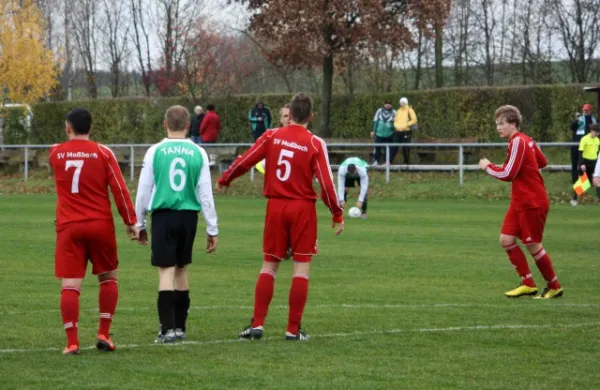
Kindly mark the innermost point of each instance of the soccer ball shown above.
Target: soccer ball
(354, 212)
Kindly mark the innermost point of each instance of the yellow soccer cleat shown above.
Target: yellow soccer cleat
(521, 291)
(550, 293)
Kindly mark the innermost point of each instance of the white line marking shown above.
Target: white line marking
(332, 335)
(327, 306)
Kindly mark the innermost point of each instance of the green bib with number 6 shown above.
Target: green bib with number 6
(176, 165)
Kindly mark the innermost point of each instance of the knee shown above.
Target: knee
(506, 240)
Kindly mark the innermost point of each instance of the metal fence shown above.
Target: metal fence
(459, 167)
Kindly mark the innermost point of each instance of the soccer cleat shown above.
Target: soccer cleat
(179, 334)
(364, 216)
(521, 291)
(574, 202)
(550, 293)
(71, 350)
(300, 336)
(104, 343)
(251, 333)
(167, 338)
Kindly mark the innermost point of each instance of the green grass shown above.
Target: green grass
(411, 298)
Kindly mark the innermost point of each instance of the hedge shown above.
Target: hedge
(443, 113)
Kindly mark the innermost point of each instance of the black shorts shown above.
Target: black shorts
(352, 182)
(172, 237)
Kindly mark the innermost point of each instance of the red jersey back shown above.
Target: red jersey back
(522, 167)
(293, 158)
(83, 171)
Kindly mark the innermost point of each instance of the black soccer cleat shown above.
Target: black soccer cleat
(251, 333)
(300, 336)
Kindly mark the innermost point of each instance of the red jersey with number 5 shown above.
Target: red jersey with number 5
(522, 167)
(83, 171)
(293, 158)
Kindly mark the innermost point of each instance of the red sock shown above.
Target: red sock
(265, 285)
(518, 259)
(69, 308)
(107, 303)
(544, 264)
(297, 301)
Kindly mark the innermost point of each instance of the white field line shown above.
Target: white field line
(321, 306)
(332, 335)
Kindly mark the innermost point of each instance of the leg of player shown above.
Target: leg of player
(519, 261)
(544, 264)
(297, 301)
(263, 294)
(181, 301)
(69, 309)
(108, 295)
(166, 313)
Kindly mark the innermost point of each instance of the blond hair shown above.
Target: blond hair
(510, 114)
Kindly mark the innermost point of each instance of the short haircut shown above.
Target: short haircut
(595, 127)
(301, 108)
(210, 107)
(177, 118)
(351, 169)
(80, 120)
(510, 114)
(387, 102)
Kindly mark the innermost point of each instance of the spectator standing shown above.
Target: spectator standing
(260, 119)
(195, 124)
(383, 129)
(405, 122)
(211, 126)
(579, 128)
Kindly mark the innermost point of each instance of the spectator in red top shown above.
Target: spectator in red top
(211, 126)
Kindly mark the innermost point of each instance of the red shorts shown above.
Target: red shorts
(290, 224)
(78, 242)
(528, 225)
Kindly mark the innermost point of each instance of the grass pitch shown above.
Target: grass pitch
(411, 298)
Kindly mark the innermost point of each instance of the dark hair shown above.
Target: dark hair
(352, 169)
(595, 127)
(210, 107)
(177, 118)
(510, 114)
(387, 102)
(80, 120)
(301, 108)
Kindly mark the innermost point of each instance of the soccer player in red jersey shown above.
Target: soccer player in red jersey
(294, 156)
(85, 230)
(529, 204)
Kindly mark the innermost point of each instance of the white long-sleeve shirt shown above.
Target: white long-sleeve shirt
(364, 182)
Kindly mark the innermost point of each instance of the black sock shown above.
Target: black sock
(182, 307)
(165, 310)
(364, 207)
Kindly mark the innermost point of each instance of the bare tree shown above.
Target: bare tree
(579, 27)
(83, 20)
(141, 41)
(114, 29)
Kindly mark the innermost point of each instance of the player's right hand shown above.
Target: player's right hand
(133, 232)
(221, 188)
(343, 204)
(582, 167)
(596, 182)
(339, 229)
(143, 237)
(211, 243)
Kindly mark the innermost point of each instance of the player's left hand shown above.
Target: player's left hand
(359, 204)
(211, 243)
(340, 228)
(596, 182)
(133, 232)
(221, 188)
(483, 163)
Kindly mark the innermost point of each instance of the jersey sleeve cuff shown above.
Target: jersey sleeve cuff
(212, 231)
(339, 218)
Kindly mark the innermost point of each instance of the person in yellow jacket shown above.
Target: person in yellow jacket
(405, 122)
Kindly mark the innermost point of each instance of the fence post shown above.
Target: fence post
(387, 163)
(461, 166)
(131, 163)
(252, 174)
(26, 169)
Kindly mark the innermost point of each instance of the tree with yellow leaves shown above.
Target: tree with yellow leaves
(28, 70)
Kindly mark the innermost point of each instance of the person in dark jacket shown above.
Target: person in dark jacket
(211, 126)
(260, 119)
(580, 127)
(195, 122)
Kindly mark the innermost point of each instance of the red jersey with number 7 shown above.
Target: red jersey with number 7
(293, 158)
(522, 167)
(83, 171)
